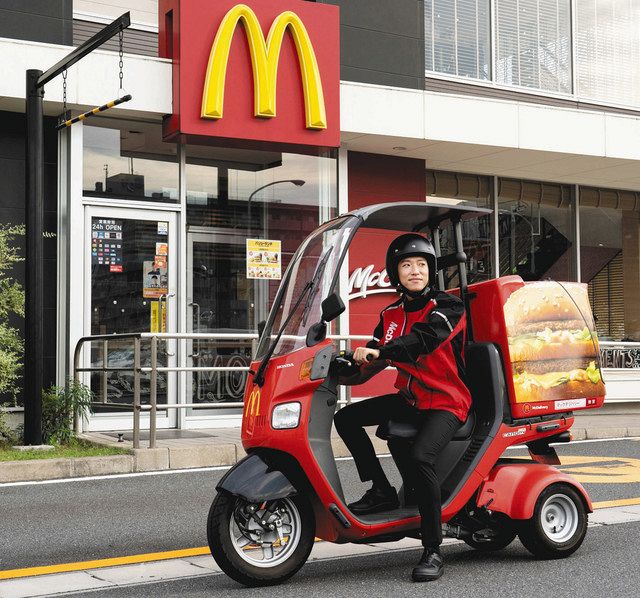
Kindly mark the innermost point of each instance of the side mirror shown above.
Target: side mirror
(332, 307)
(261, 326)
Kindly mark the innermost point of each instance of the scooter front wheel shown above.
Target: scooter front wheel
(260, 544)
(558, 525)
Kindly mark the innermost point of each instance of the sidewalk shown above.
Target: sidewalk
(183, 449)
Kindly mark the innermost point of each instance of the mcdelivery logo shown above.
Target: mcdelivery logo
(265, 55)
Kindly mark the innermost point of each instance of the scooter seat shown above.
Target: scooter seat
(409, 430)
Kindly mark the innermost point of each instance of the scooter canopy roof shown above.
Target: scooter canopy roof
(415, 215)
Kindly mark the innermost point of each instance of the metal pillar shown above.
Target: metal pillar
(34, 325)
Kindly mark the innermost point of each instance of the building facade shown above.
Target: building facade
(529, 108)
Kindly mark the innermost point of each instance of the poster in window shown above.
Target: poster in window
(155, 280)
(106, 242)
(264, 259)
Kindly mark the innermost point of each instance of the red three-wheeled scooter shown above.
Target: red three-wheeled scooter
(531, 360)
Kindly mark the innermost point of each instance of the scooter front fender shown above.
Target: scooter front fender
(514, 488)
(253, 480)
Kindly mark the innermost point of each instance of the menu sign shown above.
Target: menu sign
(106, 242)
(264, 259)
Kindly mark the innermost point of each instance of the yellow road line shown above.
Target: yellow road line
(187, 552)
(624, 502)
(100, 563)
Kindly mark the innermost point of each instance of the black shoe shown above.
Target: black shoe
(430, 567)
(374, 501)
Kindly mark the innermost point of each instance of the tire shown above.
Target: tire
(503, 538)
(558, 525)
(232, 534)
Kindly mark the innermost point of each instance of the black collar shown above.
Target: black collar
(419, 302)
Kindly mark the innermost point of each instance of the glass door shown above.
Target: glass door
(220, 300)
(130, 286)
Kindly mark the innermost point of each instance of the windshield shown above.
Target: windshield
(311, 274)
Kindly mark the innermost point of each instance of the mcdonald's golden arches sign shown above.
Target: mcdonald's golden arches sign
(262, 71)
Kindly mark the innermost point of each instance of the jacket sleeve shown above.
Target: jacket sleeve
(374, 343)
(425, 337)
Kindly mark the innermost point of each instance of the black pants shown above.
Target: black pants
(437, 428)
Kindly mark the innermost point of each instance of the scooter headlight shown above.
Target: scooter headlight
(285, 416)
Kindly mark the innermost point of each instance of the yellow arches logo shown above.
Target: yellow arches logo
(265, 56)
(252, 406)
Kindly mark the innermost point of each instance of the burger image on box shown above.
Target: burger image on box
(552, 343)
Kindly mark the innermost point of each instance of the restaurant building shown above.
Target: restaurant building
(179, 210)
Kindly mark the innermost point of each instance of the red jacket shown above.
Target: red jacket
(424, 339)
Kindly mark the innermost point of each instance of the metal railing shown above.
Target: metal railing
(628, 353)
(152, 407)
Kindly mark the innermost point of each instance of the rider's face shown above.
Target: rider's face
(413, 273)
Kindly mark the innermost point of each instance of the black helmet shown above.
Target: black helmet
(406, 246)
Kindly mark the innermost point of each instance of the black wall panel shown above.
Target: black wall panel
(48, 21)
(12, 211)
(382, 41)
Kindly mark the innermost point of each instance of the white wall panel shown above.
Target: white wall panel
(381, 110)
(471, 120)
(142, 11)
(92, 81)
(561, 130)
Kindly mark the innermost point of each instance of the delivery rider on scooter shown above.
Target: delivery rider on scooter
(422, 335)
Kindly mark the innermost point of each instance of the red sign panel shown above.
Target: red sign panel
(263, 72)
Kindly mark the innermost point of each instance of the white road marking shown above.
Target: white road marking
(226, 467)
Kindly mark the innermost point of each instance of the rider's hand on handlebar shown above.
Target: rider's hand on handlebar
(364, 354)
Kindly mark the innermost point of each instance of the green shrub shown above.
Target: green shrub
(60, 406)
(7, 435)
(11, 303)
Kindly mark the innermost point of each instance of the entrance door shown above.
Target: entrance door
(130, 286)
(220, 300)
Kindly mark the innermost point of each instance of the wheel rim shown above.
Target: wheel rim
(272, 538)
(559, 518)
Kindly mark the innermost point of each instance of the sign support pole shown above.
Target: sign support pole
(34, 284)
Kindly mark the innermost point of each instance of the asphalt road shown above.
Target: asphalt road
(46, 524)
(605, 565)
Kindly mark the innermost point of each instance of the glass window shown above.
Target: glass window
(458, 38)
(129, 289)
(535, 230)
(128, 160)
(608, 50)
(533, 40)
(234, 195)
(471, 189)
(609, 241)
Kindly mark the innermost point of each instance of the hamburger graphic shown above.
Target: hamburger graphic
(552, 344)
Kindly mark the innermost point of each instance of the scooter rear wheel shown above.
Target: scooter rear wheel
(260, 544)
(558, 525)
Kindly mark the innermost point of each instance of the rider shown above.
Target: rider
(422, 334)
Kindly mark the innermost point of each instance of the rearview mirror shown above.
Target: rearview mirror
(332, 307)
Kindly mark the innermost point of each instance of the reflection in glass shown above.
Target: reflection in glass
(535, 230)
(128, 160)
(609, 237)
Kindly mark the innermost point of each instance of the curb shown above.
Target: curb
(205, 455)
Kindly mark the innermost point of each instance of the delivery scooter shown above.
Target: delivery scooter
(271, 505)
